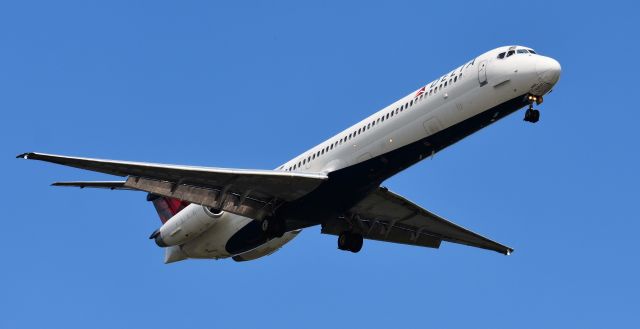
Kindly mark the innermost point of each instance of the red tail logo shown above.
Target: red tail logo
(166, 207)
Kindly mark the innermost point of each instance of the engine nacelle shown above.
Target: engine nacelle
(266, 249)
(186, 225)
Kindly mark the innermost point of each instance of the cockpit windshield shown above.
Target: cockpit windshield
(513, 52)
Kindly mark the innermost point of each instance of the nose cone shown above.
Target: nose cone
(548, 69)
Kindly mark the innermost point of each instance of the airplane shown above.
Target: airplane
(216, 213)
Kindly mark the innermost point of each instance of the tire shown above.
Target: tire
(344, 241)
(356, 242)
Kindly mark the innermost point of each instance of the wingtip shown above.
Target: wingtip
(24, 155)
(508, 252)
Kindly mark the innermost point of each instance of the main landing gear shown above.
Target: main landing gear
(532, 115)
(350, 241)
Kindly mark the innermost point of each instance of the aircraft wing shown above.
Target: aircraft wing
(386, 216)
(215, 187)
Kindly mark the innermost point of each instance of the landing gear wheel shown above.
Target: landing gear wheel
(531, 115)
(343, 240)
(350, 241)
(536, 116)
(356, 243)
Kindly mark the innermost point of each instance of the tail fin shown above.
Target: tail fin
(166, 207)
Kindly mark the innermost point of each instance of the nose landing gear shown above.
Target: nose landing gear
(532, 115)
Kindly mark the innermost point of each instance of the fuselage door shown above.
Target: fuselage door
(482, 72)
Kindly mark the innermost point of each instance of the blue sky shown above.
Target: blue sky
(251, 85)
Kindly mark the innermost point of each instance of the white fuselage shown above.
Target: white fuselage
(476, 86)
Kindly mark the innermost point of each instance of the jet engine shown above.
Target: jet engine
(186, 225)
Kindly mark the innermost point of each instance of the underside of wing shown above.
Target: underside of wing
(386, 216)
(236, 190)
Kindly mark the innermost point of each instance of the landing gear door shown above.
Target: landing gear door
(482, 73)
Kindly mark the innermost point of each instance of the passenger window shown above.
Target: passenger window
(511, 52)
(387, 115)
(368, 126)
(501, 55)
(455, 79)
(445, 83)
